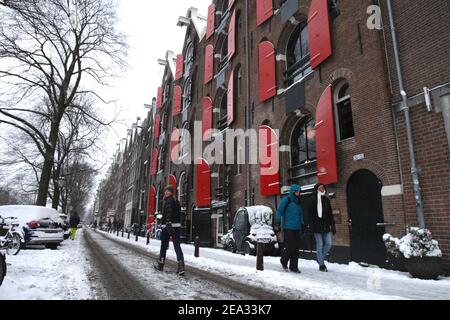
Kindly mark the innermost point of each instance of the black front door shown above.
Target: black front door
(366, 212)
(201, 227)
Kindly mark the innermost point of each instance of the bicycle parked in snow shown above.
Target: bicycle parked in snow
(10, 238)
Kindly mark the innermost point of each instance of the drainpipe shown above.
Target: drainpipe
(414, 169)
(247, 107)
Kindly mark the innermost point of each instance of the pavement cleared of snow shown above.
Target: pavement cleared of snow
(43, 274)
(343, 282)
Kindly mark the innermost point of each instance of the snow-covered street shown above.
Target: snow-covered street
(103, 266)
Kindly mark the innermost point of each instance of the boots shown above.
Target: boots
(160, 265)
(180, 270)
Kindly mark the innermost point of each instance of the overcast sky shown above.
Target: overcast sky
(152, 29)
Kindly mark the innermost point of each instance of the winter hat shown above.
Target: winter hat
(170, 189)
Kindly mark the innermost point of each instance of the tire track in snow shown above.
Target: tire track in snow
(118, 282)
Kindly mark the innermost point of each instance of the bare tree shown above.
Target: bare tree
(46, 48)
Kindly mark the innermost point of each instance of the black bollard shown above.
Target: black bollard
(148, 238)
(117, 232)
(128, 234)
(122, 233)
(260, 257)
(197, 247)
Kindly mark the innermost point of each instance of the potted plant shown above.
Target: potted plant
(421, 255)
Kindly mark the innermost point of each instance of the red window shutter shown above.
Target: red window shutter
(177, 92)
(180, 67)
(157, 127)
(154, 162)
(151, 206)
(173, 183)
(211, 21)
(232, 36)
(267, 79)
(319, 32)
(326, 139)
(269, 162)
(207, 117)
(159, 97)
(264, 11)
(230, 3)
(203, 185)
(230, 99)
(209, 63)
(175, 145)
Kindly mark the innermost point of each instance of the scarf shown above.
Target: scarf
(319, 204)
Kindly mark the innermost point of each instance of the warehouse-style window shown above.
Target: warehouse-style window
(187, 98)
(188, 58)
(303, 153)
(298, 62)
(343, 111)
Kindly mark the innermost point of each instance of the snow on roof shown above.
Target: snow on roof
(26, 214)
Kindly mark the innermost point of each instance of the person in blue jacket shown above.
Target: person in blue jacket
(290, 215)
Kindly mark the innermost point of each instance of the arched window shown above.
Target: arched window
(182, 190)
(185, 142)
(223, 53)
(297, 53)
(188, 58)
(303, 153)
(187, 98)
(343, 111)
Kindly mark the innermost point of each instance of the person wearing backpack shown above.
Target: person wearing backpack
(171, 227)
(289, 218)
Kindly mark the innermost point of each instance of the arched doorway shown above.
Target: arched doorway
(365, 211)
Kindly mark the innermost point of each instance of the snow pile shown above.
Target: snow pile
(259, 215)
(417, 243)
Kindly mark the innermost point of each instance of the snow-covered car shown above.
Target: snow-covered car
(66, 228)
(2, 267)
(252, 225)
(40, 226)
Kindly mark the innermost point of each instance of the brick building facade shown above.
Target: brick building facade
(262, 65)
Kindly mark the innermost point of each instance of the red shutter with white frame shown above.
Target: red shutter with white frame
(173, 183)
(203, 185)
(154, 166)
(180, 67)
(267, 77)
(232, 36)
(230, 99)
(177, 93)
(157, 128)
(175, 145)
(264, 11)
(151, 207)
(326, 139)
(269, 161)
(210, 27)
(159, 98)
(320, 45)
(207, 118)
(209, 63)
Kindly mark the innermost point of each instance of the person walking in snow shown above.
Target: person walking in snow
(289, 218)
(73, 224)
(171, 227)
(321, 222)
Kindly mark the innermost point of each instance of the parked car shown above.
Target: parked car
(252, 225)
(40, 226)
(2, 267)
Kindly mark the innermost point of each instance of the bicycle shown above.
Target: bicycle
(12, 239)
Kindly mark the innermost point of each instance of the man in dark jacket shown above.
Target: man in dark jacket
(320, 221)
(290, 219)
(171, 226)
(73, 224)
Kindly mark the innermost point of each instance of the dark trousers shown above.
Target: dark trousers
(165, 236)
(291, 249)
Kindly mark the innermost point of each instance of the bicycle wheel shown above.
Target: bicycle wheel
(14, 245)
